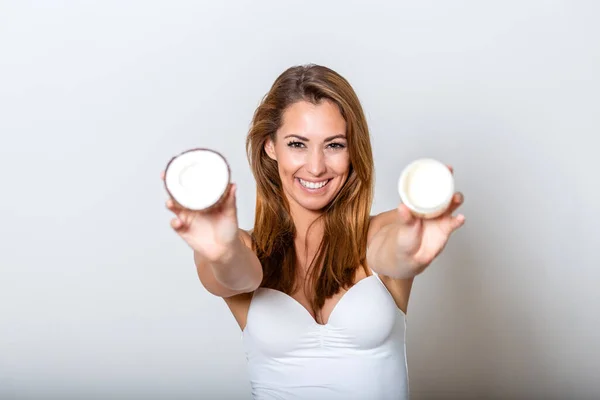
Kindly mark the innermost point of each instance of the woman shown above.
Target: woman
(319, 287)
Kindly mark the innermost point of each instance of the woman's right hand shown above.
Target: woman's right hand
(212, 233)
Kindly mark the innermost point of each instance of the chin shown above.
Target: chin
(313, 205)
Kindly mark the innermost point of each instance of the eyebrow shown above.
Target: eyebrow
(329, 139)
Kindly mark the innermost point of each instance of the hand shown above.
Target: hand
(212, 232)
(420, 240)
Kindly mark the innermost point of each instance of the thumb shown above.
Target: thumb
(406, 216)
(229, 205)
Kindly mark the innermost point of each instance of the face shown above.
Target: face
(311, 151)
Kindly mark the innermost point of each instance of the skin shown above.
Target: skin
(310, 145)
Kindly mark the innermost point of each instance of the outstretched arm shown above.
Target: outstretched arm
(402, 245)
(225, 262)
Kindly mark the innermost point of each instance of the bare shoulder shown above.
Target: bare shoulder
(246, 237)
(399, 288)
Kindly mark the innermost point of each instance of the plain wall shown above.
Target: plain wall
(99, 299)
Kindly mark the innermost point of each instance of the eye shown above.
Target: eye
(295, 145)
(336, 145)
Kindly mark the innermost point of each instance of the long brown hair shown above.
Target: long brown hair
(346, 218)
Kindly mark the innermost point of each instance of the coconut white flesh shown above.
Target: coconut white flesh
(197, 179)
(428, 185)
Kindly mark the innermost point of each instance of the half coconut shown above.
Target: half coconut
(198, 179)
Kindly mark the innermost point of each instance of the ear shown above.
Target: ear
(270, 149)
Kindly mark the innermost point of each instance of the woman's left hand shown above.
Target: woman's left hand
(419, 240)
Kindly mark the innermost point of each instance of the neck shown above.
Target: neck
(305, 219)
(309, 232)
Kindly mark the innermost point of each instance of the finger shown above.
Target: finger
(450, 224)
(170, 204)
(177, 224)
(162, 175)
(450, 167)
(457, 222)
(231, 196)
(173, 205)
(181, 213)
(453, 223)
(457, 200)
(229, 204)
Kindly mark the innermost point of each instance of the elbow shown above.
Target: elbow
(241, 281)
(255, 277)
(256, 280)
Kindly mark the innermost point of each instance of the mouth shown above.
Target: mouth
(313, 187)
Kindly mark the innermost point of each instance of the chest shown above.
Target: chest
(362, 318)
(322, 316)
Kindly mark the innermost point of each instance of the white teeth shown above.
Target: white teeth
(312, 185)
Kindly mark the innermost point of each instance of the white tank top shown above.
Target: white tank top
(359, 354)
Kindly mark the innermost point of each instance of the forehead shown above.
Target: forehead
(313, 121)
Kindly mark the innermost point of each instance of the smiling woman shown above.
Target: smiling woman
(319, 287)
(321, 163)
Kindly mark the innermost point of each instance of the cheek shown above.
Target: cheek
(290, 162)
(340, 163)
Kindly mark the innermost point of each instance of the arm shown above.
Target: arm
(383, 254)
(225, 262)
(403, 245)
(400, 246)
(239, 271)
(381, 258)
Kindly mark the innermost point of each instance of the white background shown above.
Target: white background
(99, 299)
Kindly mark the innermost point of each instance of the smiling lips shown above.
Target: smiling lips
(313, 185)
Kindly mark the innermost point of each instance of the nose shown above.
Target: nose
(316, 163)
